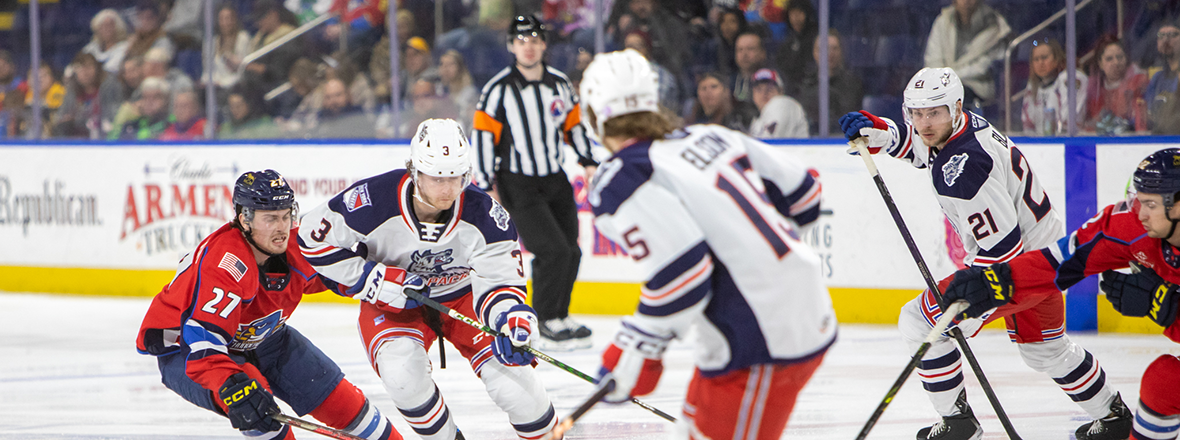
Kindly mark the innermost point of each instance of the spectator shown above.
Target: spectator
(156, 65)
(148, 33)
(152, 101)
(360, 90)
(967, 37)
(669, 36)
(424, 103)
(749, 55)
(231, 44)
(719, 53)
(845, 89)
(795, 53)
(339, 118)
(1163, 101)
(247, 115)
(780, 116)
(10, 82)
(1044, 110)
(271, 70)
(109, 44)
(379, 63)
(416, 63)
(52, 92)
(669, 85)
(716, 105)
(80, 115)
(457, 86)
(1115, 92)
(186, 23)
(118, 105)
(188, 122)
(13, 117)
(366, 21)
(298, 105)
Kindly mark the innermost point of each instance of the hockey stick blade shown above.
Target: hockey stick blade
(315, 427)
(416, 296)
(558, 431)
(944, 321)
(861, 146)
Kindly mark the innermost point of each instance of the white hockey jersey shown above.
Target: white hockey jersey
(475, 249)
(712, 218)
(987, 189)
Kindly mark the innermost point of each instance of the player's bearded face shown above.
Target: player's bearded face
(934, 124)
(271, 230)
(440, 192)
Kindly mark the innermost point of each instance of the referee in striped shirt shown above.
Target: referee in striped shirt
(525, 116)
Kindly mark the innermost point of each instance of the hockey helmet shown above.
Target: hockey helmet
(440, 149)
(526, 26)
(263, 190)
(933, 87)
(616, 84)
(1159, 173)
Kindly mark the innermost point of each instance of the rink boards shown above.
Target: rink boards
(113, 219)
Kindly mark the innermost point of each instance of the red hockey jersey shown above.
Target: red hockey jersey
(217, 304)
(1111, 240)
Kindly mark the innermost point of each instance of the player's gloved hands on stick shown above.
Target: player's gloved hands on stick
(985, 288)
(1141, 294)
(249, 405)
(875, 131)
(516, 330)
(635, 360)
(385, 286)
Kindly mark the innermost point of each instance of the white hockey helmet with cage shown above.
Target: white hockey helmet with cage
(440, 149)
(933, 87)
(616, 84)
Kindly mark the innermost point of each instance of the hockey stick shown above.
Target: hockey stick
(565, 425)
(314, 427)
(944, 321)
(861, 147)
(414, 295)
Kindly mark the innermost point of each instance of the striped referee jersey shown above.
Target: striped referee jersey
(526, 123)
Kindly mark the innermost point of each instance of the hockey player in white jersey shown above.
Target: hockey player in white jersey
(426, 228)
(712, 217)
(987, 190)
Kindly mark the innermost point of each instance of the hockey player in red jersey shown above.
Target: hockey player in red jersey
(427, 226)
(989, 193)
(219, 332)
(1140, 232)
(712, 219)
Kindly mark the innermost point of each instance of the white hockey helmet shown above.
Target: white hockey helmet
(933, 87)
(616, 84)
(440, 149)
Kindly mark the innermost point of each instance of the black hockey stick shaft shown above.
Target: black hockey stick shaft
(939, 327)
(604, 388)
(416, 296)
(315, 427)
(860, 144)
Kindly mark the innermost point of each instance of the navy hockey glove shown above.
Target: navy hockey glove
(1141, 294)
(249, 405)
(985, 288)
(875, 131)
(515, 328)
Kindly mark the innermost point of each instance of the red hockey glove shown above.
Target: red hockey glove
(634, 359)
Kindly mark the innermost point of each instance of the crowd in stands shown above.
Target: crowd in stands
(137, 73)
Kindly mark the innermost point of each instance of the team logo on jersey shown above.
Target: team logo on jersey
(233, 265)
(430, 265)
(953, 168)
(1142, 257)
(357, 198)
(429, 231)
(250, 334)
(500, 215)
(557, 109)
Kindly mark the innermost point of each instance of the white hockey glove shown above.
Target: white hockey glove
(386, 286)
(879, 132)
(516, 328)
(635, 360)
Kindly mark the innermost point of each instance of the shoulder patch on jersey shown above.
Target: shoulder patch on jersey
(357, 197)
(953, 168)
(234, 265)
(499, 215)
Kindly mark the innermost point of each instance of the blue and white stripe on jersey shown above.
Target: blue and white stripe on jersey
(1008, 248)
(679, 284)
(626, 172)
(802, 205)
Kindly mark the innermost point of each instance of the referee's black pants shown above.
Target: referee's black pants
(546, 217)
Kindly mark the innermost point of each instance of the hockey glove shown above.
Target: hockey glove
(985, 288)
(249, 406)
(876, 131)
(516, 330)
(635, 361)
(1141, 294)
(385, 286)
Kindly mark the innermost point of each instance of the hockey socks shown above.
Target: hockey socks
(1151, 425)
(941, 371)
(1086, 385)
(431, 420)
(347, 409)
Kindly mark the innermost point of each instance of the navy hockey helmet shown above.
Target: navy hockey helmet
(1159, 173)
(263, 190)
(526, 26)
